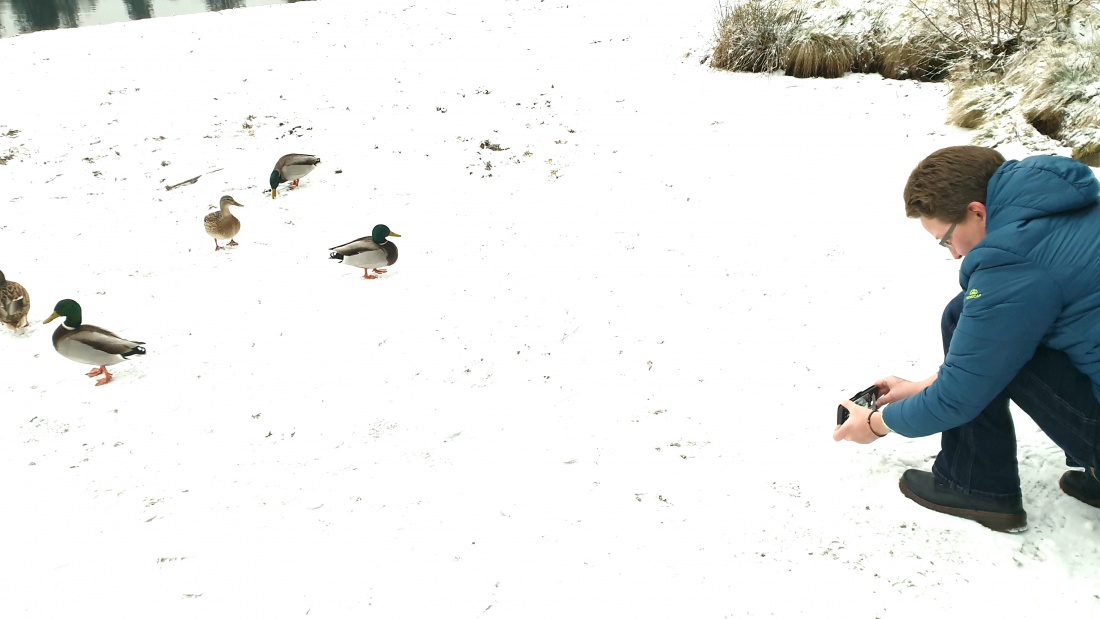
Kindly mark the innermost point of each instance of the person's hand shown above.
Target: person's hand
(893, 389)
(855, 429)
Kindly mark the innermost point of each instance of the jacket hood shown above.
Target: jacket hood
(1038, 187)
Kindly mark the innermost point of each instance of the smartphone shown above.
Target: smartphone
(867, 398)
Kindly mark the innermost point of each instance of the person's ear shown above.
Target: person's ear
(977, 207)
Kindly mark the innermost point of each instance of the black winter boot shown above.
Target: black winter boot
(1081, 486)
(1003, 514)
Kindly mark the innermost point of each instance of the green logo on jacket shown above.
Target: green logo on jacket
(973, 294)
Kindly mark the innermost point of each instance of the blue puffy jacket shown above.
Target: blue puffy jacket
(1033, 280)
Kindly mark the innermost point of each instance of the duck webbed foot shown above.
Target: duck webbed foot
(101, 370)
(232, 242)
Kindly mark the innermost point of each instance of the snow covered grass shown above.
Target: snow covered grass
(600, 381)
(1051, 94)
(829, 39)
(1021, 71)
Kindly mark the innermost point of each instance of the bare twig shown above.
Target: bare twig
(189, 181)
(932, 22)
(186, 182)
(986, 25)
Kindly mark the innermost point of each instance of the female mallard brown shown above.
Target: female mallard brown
(14, 303)
(222, 224)
(89, 344)
(368, 252)
(290, 169)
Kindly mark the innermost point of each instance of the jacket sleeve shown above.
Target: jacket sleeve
(1006, 313)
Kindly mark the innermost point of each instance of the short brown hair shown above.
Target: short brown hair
(945, 182)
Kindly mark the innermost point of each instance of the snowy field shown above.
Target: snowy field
(600, 381)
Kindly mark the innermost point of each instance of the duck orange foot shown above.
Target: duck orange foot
(101, 370)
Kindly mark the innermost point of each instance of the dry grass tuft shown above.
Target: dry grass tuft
(972, 106)
(820, 55)
(755, 36)
(1088, 154)
(977, 96)
(925, 57)
(867, 45)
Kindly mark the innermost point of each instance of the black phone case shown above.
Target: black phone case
(869, 394)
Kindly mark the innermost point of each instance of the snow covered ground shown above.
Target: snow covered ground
(600, 381)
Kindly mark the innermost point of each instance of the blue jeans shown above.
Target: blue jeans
(979, 457)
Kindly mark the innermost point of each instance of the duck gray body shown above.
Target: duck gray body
(15, 303)
(295, 166)
(365, 253)
(368, 252)
(89, 344)
(290, 169)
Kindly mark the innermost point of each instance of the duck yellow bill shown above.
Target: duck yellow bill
(52, 316)
(392, 233)
(272, 194)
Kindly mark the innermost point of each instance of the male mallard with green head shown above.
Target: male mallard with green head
(290, 169)
(368, 252)
(89, 344)
(14, 303)
(222, 224)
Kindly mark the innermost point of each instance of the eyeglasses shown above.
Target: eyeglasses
(946, 240)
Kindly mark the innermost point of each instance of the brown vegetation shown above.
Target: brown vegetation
(1020, 70)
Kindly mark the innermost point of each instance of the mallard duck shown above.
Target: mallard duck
(14, 303)
(290, 169)
(89, 344)
(222, 224)
(369, 252)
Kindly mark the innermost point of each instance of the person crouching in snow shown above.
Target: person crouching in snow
(1025, 327)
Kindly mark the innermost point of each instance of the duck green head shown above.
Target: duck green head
(274, 181)
(70, 310)
(380, 232)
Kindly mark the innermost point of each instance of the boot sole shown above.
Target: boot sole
(1004, 523)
